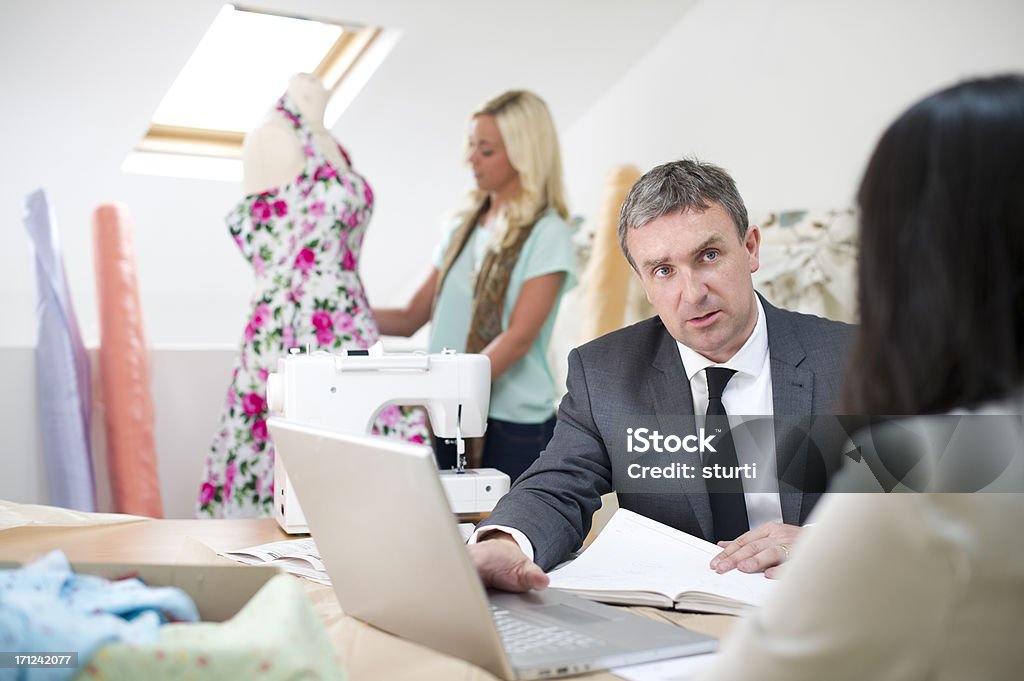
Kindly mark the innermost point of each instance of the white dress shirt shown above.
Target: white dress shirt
(748, 393)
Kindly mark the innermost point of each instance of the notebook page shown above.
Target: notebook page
(635, 553)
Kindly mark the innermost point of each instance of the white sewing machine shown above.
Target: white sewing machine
(346, 391)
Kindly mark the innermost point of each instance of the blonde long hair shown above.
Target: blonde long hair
(531, 143)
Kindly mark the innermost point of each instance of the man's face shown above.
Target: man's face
(696, 273)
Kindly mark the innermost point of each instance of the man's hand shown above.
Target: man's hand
(763, 548)
(503, 565)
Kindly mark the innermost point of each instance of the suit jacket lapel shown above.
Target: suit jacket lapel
(669, 390)
(792, 396)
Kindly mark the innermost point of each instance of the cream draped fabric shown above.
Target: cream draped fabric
(608, 296)
(809, 261)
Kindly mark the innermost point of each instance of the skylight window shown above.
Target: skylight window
(241, 66)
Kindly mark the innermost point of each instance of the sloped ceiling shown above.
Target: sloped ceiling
(81, 80)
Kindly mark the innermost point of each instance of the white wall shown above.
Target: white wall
(188, 387)
(82, 79)
(789, 95)
(79, 96)
(22, 475)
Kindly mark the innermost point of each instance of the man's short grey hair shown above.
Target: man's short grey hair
(677, 186)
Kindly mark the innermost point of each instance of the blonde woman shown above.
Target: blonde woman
(499, 275)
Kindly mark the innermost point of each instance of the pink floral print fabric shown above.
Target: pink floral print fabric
(303, 240)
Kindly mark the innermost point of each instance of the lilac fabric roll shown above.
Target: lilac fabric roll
(63, 386)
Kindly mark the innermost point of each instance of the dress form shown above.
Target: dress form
(272, 154)
(301, 229)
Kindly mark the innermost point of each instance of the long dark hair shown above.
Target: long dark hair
(941, 279)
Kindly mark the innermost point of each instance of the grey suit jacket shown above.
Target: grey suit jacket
(636, 374)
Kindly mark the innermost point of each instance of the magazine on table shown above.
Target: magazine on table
(295, 556)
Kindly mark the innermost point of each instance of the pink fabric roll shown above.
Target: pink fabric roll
(124, 367)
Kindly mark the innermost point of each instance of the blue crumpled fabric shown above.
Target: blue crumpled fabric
(45, 607)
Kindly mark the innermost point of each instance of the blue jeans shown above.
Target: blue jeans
(509, 447)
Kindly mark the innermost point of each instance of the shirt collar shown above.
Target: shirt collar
(749, 359)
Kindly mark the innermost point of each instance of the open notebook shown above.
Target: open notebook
(639, 561)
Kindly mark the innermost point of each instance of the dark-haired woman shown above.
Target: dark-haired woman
(927, 585)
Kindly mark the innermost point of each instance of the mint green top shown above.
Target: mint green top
(526, 392)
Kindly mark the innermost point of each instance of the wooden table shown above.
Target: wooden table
(146, 541)
(366, 652)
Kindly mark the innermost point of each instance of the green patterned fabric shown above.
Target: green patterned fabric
(275, 636)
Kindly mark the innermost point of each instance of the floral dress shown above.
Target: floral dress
(303, 240)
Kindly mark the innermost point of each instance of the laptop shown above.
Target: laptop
(397, 561)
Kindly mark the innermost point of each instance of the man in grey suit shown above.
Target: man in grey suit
(716, 348)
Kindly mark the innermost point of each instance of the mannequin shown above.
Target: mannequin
(300, 226)
(271, 155)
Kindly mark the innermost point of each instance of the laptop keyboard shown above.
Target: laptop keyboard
(520, 636)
